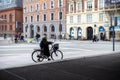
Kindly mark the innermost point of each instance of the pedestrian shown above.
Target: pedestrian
(22, 37)
(19, 36)
(37, 37)
(94, 38)
(16, 38)
(44, 45)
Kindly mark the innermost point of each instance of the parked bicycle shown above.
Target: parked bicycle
(55, 54)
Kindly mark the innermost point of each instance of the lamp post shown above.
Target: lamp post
(60, 17)
(111, 4)
(113, 32)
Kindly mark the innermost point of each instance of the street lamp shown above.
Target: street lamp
(60, 17)
(112, 4)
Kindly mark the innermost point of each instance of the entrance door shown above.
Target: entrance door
(79, 33)
(31, 31)
(71, 33)
(89, 33)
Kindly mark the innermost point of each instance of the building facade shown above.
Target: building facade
(86, 18)
(11, 16)
(44, 17)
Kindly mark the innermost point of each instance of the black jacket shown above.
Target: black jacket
(44, 45)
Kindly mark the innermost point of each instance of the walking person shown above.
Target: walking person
(16, 38)
(37, 37)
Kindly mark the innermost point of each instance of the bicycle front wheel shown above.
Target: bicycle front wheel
(57, 55)
(36, 56)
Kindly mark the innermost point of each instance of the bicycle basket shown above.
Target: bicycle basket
(56, 46)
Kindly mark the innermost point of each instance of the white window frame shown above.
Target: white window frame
(71, 19)
(79, 6)
(44, 6)
(37, 18)
(89, 18)
(37, 7)
(71, 8)
(51, 16)
(26, 19)
(101, 17)
(101, 3)
(52, 5)
(59, 3)
(89, 5)
(79, 18)
(31, 8)
(31, 19)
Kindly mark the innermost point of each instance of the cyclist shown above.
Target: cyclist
(44, 45)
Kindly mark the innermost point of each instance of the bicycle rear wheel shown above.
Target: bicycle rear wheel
(57, 55)
(36, 56)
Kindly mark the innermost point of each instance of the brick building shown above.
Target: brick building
(11, 14)
(45, 17)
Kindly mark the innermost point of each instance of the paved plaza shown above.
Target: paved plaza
(83, 60)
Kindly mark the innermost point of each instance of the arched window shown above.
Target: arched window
(60, 27)
(52, 28)
(45, 29)
(38, 29)
(10, 18)
(26, 27)
(71, 32)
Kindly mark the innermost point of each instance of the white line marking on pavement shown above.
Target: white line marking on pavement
(77, 49)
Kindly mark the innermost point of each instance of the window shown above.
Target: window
(60, 3)
(45, 29)
(44, 5)
(101, 3)
(52, 4)
(26, 19)
(38, 29)
(7, 1)
(37, 7)
(60, 27)
(79, 6)
(44, 17)
(118, 20)
(31, 18)
(5, 27)
(10, 18)
(89, 18)
(52, 16)
(60, 15)
(52, 28)
(79, 19)
(38, 18)
(25, 9)
(89, 5)
(31, 8)
(5, 17)
(71, 8)
(100, 16)
(10, 27)
(12, 0)
(26, 28)
(71, 19)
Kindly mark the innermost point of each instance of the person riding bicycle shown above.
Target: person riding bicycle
(44, 45)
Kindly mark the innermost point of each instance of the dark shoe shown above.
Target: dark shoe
(49, 59)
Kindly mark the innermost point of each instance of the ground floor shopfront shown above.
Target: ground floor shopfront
(86, 31)
(52, 29)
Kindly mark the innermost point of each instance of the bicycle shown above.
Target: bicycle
(55, 54)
